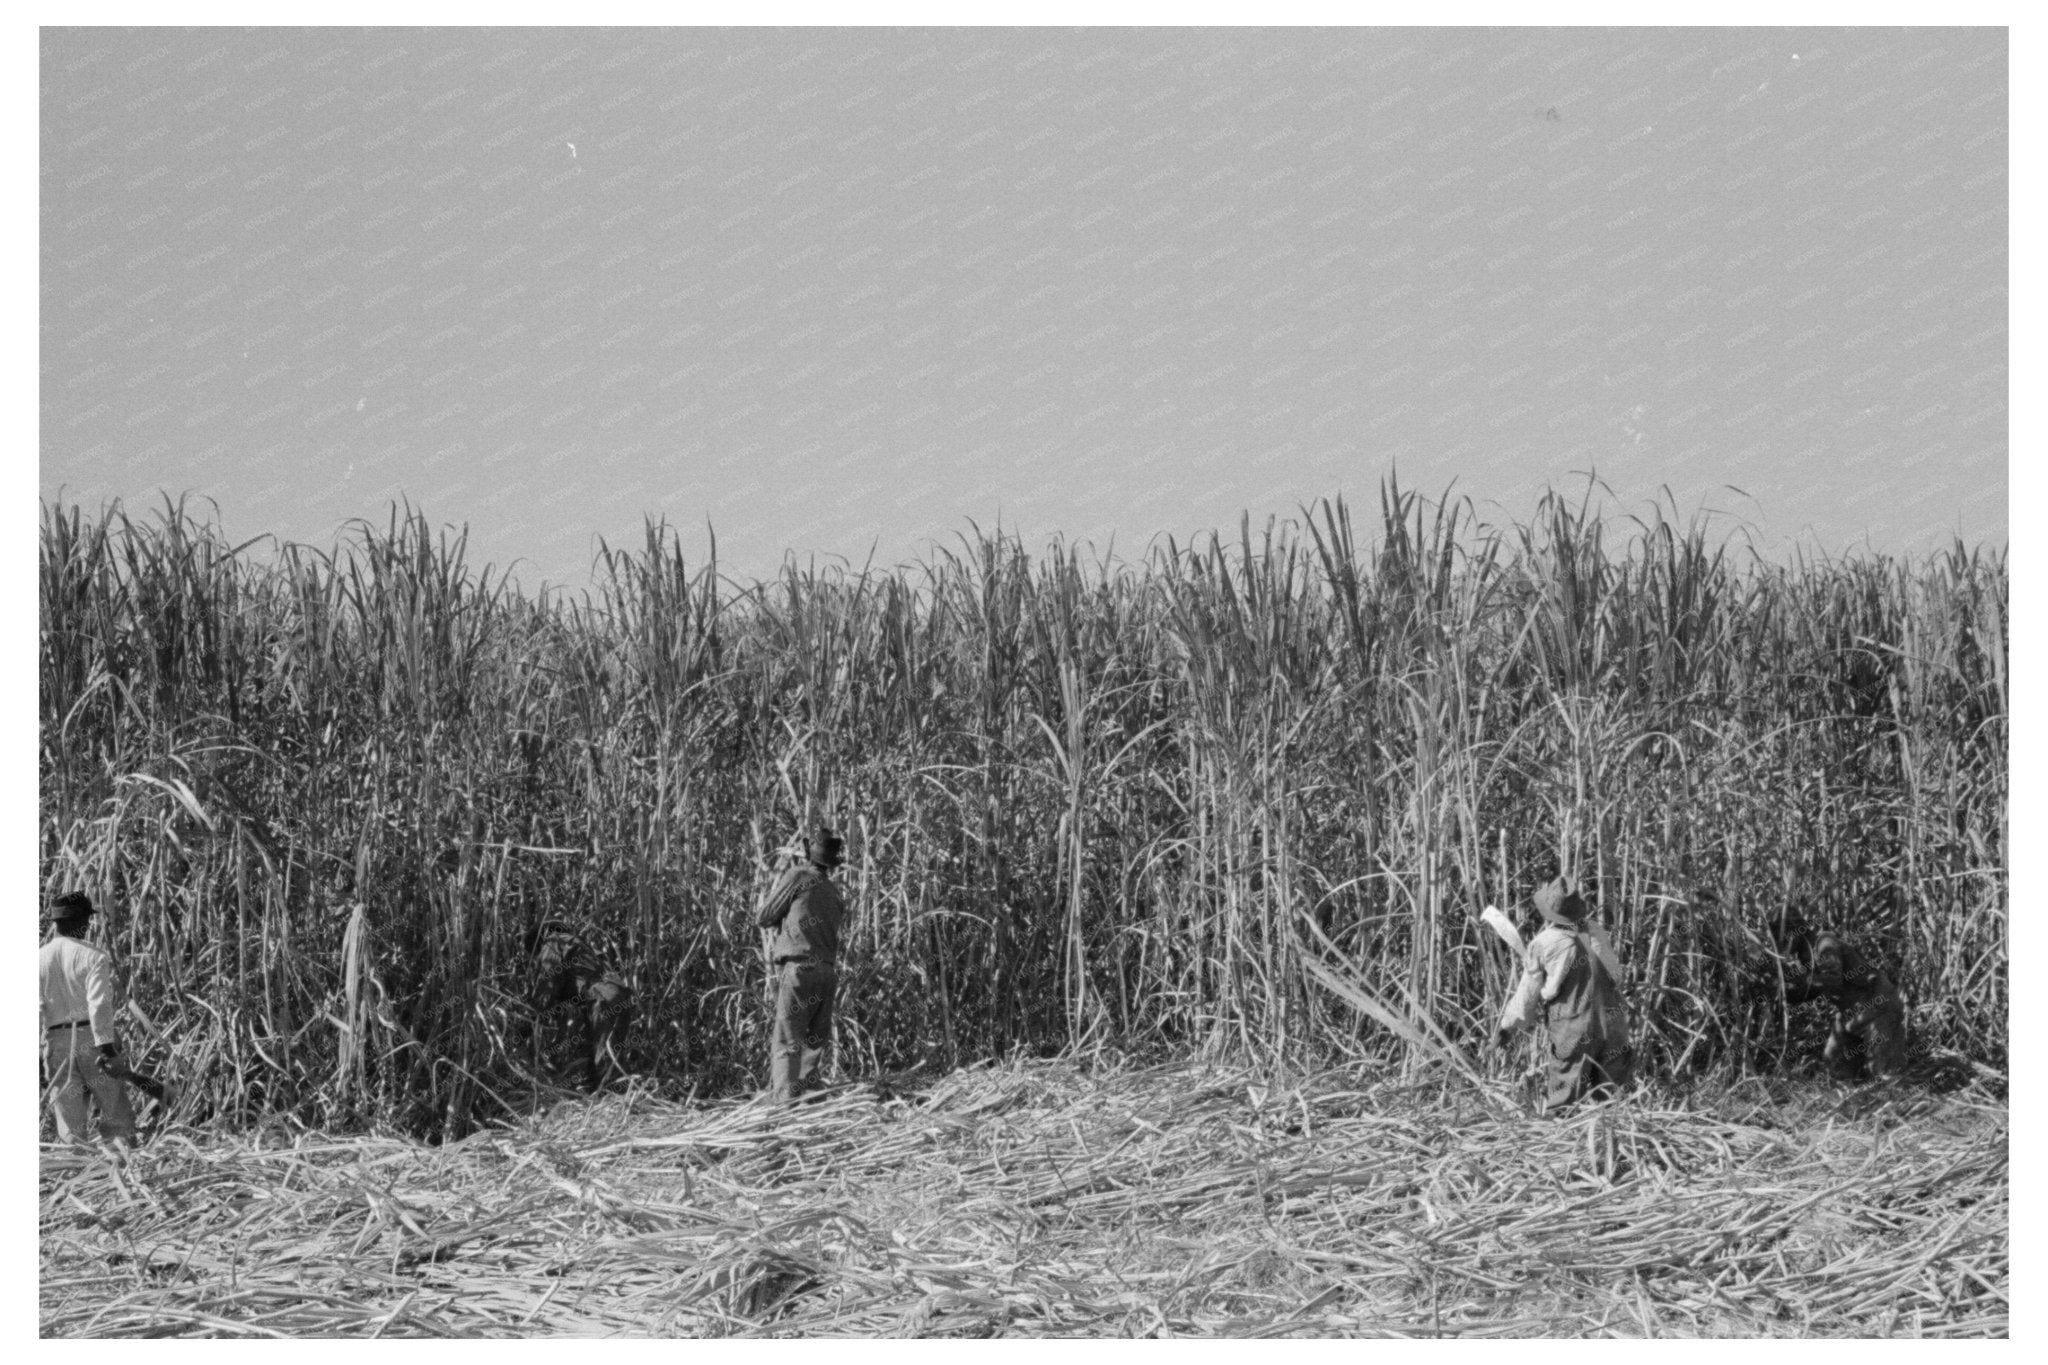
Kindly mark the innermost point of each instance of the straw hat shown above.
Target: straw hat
(1560, 903)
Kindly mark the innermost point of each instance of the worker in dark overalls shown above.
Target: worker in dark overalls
(572, 975)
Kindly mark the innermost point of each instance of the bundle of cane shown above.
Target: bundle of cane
(1414, 1025)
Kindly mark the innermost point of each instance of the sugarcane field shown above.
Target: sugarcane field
(1387, 921)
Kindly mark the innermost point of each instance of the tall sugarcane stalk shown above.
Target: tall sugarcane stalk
(1080, 793)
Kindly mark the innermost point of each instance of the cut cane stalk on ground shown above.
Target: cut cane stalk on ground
(1050, 1199)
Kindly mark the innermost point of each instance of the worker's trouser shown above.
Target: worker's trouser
(1585, 1077)
(1872, 1035)
(607, 1010)
(74, 1067)
(803, 1026)
(1584, 1056)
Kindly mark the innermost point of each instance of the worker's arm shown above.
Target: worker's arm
(776, 904)
(99, 1001)
(1799, 988)
(1525, 1003)
(1862, 1013)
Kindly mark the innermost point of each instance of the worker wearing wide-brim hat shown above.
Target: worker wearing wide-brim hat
(80, 1049)
(805, 911)
(1568, 987)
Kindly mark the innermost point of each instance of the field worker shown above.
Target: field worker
(571, 974)
(1870, 1013)
(804, 910)
(1569, 990)
(80, 1050)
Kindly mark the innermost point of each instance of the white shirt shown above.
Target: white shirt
(1545, 961)
(77, 983)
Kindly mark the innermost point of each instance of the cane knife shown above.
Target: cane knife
(147, 1084)
(1595, 935)
(1493, 919)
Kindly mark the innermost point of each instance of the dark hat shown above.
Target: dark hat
(1790, 928)
(71, 905)
(551, 930)
(823, 847)
(1560, 903)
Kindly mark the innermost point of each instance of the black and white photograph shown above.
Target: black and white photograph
(1225, 681)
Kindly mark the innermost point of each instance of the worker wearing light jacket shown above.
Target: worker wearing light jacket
(805, 911)
(1568, 987)
(80, 1050)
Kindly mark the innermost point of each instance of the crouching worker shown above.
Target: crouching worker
(1869, 1032)
(80, 1051)
(572, 975)
(804, 909)
(1568, 988)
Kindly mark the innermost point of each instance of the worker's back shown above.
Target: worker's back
(809, 930)
(64, 969)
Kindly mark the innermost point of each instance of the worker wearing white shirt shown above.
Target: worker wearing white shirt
(79, 1047)
(1570, 991)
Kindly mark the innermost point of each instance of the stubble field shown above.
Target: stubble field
(1054, 1199)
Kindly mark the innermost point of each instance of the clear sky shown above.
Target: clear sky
(831, 290)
